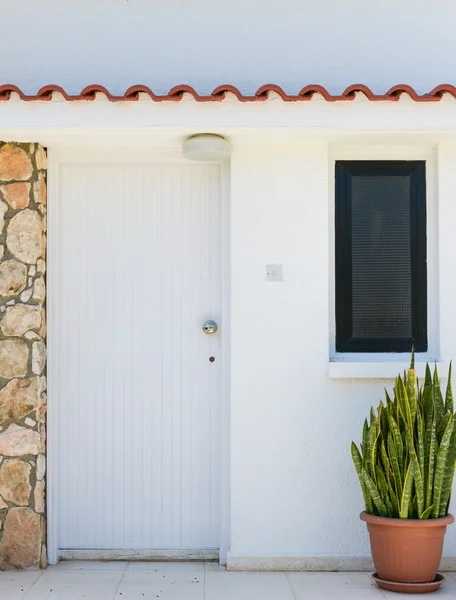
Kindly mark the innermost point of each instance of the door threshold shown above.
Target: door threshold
(139, 555)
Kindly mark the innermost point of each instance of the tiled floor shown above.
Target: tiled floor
(81, 580)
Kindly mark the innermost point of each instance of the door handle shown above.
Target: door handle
(209, 327)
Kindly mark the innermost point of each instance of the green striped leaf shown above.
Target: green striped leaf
(381, 483)
(411, 392)
(440, 466)
(366, 446)
(384, 458)
(358, 462)
(419, 486)
(427, 513)
(428, 428)
(442, 426)
(388, 400)
(448, 505)
(428, 403)
(448, 474)
(407, 492)
(372, 416)
(449, 400)
(395, 503)
(439, 406)
(398, 444)
(427, 376)
(374, 453)
(375, 495)
(389, 507)
(383, 420)
(433, 447)
(418, 479)
(372, 438)
(403, 401)
(392, 453)
(420, 440)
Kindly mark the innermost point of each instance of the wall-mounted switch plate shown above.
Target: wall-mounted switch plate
(274, 273)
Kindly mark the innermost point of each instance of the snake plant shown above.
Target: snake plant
(406, 461)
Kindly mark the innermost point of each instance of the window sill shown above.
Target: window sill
(379, 369)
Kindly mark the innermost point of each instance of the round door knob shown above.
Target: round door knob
(210, 327)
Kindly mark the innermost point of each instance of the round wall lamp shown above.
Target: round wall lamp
(206, 147)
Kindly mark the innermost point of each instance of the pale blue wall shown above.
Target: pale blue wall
(246, 42)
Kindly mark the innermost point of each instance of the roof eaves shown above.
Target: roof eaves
(177, 93)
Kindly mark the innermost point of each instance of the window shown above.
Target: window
(381, 286)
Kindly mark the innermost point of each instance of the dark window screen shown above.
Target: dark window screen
(380, 256)
(381, 266)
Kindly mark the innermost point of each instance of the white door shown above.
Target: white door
(137, 382)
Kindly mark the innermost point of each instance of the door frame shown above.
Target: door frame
(56, 158)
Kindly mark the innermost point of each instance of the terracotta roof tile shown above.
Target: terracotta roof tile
(219, 93)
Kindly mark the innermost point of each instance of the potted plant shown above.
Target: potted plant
(406, 467)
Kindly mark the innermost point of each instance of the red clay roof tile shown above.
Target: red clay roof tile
(219, 93)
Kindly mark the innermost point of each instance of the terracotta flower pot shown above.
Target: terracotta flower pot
(406, 550)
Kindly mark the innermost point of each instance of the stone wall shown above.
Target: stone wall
(22, 355)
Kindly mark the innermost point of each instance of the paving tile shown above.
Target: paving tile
(322, 586)
(13, 592)
(169, 584)
(113, 580)
(73, 592)
(214, 566)
(230, 585)
(82, 577)
(19, 578)
(178, 592)
(90, 565)
(15, 584)
(165, 566)
(343, 594)
(124, 593)
(337, 581)
(171, 577)
(442, 594)
(10, 593)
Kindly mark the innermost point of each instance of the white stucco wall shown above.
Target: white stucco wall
(294, 489)
(246, 42)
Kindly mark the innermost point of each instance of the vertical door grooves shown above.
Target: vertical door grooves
(181, 307)
(127, 342)
(143, 348)
(82, 358)
(138, 273)
(163, 265)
